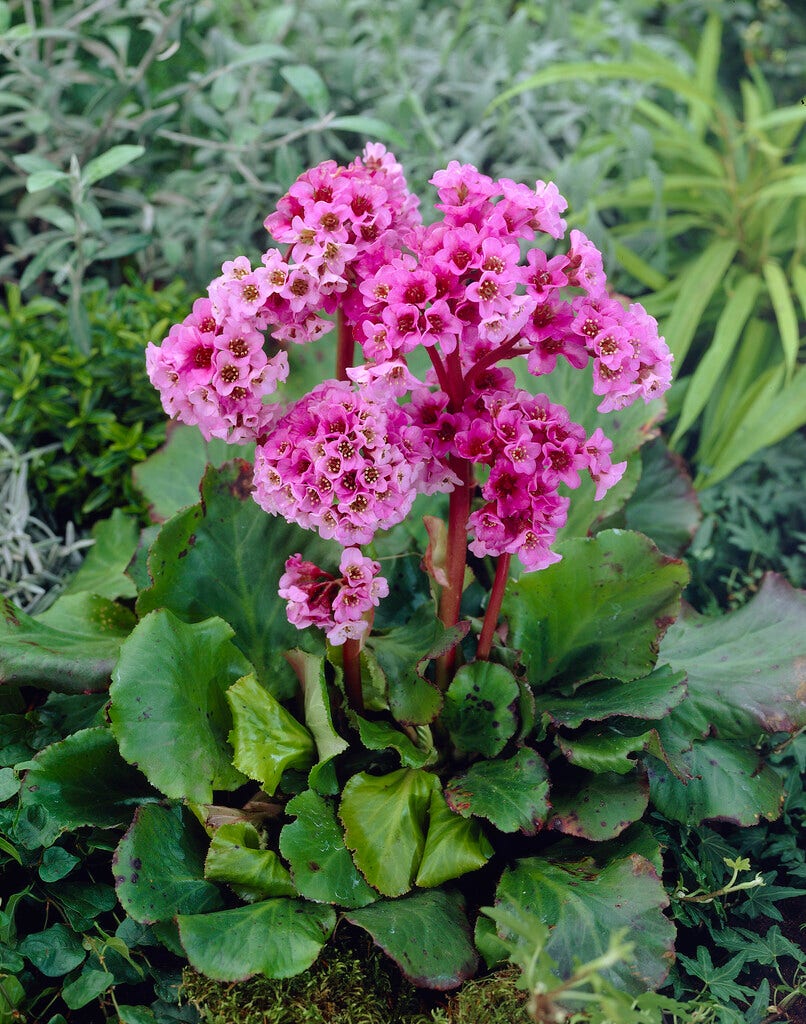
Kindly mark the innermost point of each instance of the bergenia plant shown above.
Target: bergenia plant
(474, 293)
(395, 668)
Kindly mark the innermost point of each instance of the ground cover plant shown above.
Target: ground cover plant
(302, 737)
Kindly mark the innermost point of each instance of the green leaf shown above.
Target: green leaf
(583, 905)
(308, 84)
(480, 708)
(745, 669)
(267, 738)
(607, 748)
(81, 904)
(454, 845)
(650, 698)
(86, 987)
(83, 780)
(385, 821)
(601, 611)
(159, 866)
(169, 478)
(103, 571)
(235, 857)
(699, 283)
(402, 654)
(728, 782)
(369, 128)
(730, 325)
(784, 312)
(70, 648)
(169, 710)
(664, 505)
(511, 794)
(9, 783)
(380, 735)
(55, 951)
(599, 807)
(57, 863)
(109, 162)
(321, 865)
(799, 271)
(310, 670)
(11, 996)
(225, 557)
(406, 929)
(40, 180)
(278, 938)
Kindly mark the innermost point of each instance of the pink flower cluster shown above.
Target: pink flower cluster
(346, 463)
(339, 606)
(471, 289)
(212, 370)
(463, 286)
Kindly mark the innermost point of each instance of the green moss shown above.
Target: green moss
(352, 983)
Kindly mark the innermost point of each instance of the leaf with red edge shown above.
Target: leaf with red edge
(426, 934)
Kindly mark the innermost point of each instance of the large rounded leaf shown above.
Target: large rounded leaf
(728, 782)
(159, 866)
(83, 780)
(598, 613)
(426, 934)
(599, 807)
(70, 648)
(454, 845)
(511, 793)
(278, 938)
(169, 710)
(746, 670)
(480, 708)
(321, 865)
(385, 818)
(583, 904)
(224, 557)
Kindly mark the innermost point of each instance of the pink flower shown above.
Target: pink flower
(337, 462)
(340, 606)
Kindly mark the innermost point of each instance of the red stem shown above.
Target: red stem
(493, 608)
(439, 366)
(351, 664)
(490, 358)
(456, 558)
(345, 347)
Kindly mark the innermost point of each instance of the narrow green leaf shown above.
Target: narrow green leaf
(708, 55)
(729, 327)
(45, 259)
(799, 283)
(368, 127)
(308, 84)
(784, 312)
(109, 162)
(40, 180)
(640, 269)
(699, 283)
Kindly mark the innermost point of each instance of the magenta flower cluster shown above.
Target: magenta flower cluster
(473, 292)
(339, 606)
